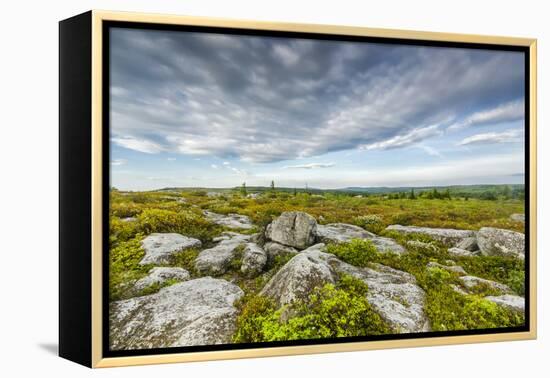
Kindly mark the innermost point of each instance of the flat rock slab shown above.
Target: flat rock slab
(447, 236)
(216, 260)
(160, 248)
(235, 221)
(196, 312)
(294, 229)
(343, 233)
(512, 302)
(471, 282)
(161, 274)
(500, 242)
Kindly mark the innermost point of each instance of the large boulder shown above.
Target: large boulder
(303, 273)
(196, 312)
(468, 244)
(343, 232)
(447, 236)
(160, 248)
(395, 295)
(392, 293)
(161, 274)
(275, 249)
(511, 302)
(216, 260)
(499, 242)
(235, 221)
(294, 229)
(254, 260)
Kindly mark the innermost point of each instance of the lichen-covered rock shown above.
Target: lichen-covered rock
(298, 277)
(472, 282)
(196, 312)
(499, 242)
(512, 302)
(450, 268)
(388, 245)
(392, 293)
(160, 248)
(294, 229)
(235, 221)
(395, 295)
(459, 252)
(469, 244)
(275, 249)
(216, 260)
(343, 232)
(447, 236)
(254, 260)
(161, 274)
(416, 244)
(517, 218)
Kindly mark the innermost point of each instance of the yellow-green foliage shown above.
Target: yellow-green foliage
(446, 309)
(124, 268)
(340, 310)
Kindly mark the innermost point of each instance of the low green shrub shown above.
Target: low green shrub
(340, 310)
(371, 222)
(124, 266)
(358, 252)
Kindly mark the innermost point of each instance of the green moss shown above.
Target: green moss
(186, 260)
(340, 310)
(124, 267)
(357, 252)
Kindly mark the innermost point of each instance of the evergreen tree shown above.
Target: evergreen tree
(243, 189)
(272, 185)
(412, 195)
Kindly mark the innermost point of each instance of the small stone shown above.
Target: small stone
(159, 275)
(453, 268)
(512, 302)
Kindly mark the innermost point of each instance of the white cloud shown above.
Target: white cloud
(171, 159)
(226, 163)
(310, 166)
(430, 150)
(288, 56)
(510, 111)
(509, 136)
(141, 145)
(117, 162)
(214, 166)
(407, 139)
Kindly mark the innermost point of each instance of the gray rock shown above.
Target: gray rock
(512, 302)
(128, 219)
(275, 249)
(196, 312)
(254, 260)
(452, 268)
(388, 245)
(499, 242)
(294, 229)
(216, 260)
(392, 293)
(447, 236)
(517, 218)
(395, 295)
(160, 248)
(233, 236)
(343, 232)
(421, 245)
(235, 221)
(471, 282)
(458, 252)
(297, 278)
(161, 274)
(469, 244)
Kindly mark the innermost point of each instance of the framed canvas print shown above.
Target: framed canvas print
(235, 189)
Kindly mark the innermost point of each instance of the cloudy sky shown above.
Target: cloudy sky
(212, 110)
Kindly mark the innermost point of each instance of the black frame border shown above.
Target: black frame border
(107, 25)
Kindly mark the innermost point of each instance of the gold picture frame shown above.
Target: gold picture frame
(92, 354)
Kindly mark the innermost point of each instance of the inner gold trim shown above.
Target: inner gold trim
(97, 19)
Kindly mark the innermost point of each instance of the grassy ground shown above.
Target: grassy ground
(181, 212)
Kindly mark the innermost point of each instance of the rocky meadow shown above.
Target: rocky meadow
(217, 266)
